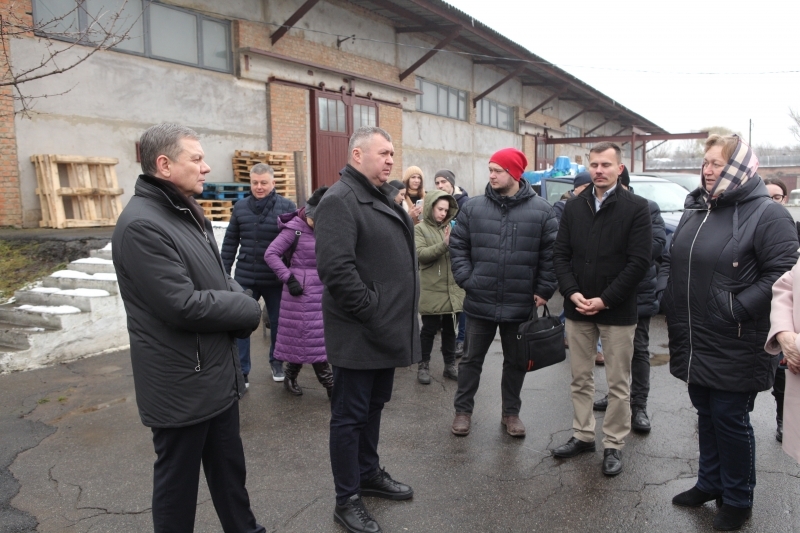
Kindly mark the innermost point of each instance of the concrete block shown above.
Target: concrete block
(93, 265)
(83, 299)
(73, 279)
(104, 253)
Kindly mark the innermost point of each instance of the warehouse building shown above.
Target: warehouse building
(289, 76)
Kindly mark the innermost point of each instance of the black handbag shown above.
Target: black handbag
(540, 341)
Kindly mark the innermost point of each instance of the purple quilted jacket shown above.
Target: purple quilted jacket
(301, 338)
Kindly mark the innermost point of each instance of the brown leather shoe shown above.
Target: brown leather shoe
(461, 424)
(514, 425)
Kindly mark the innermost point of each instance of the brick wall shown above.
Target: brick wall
(10, 198)
(391, 119)
(288, 118)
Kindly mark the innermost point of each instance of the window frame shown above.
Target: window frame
(452, 92)
(199, 18)
(493, 112)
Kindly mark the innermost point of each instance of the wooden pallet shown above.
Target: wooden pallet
(214, 203)
(281, 162)
(219, 218)
(76, 191)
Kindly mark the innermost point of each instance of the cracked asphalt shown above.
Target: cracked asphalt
(74, 456)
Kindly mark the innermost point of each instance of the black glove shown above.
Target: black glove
(295, 289)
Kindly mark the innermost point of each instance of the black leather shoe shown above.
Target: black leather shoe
(639, 420)
(290, 384)
(695, 497)
(383, 486)
(601, 404)
(730, 518)
(572, 448)
(612, 461)
(779, 431)
(354, 517)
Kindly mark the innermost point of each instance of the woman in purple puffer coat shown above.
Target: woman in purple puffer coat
(301, 338)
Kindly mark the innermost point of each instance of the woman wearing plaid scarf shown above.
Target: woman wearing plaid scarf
(731, 245)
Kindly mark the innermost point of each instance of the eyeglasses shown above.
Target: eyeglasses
(778, 197)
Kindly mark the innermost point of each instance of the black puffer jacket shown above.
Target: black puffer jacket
(183, 310)
(252, 232)
(722, 265)
(646, 300)
(502, 253)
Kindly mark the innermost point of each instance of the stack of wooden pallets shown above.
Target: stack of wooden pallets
(77, 192)
(283, 163)
(218, 210)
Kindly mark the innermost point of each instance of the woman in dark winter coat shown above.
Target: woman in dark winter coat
(731, 245)
(301, 338)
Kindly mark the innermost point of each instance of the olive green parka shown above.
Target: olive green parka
(440, 295)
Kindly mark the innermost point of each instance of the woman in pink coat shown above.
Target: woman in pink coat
(301, 338)
(783, 337)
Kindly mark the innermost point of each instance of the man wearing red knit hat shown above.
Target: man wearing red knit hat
(502, 255)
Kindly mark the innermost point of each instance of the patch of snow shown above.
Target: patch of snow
(50, 309)
(70, 274)
(108, 276)
(94, 261)
(89, 293)
(219, 224)
(50, 290)
(107, 247)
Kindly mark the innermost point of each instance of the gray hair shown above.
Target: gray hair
(362, 135)
(261, 169)
(162, 139)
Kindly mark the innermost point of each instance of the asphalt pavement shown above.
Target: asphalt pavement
(79, 459)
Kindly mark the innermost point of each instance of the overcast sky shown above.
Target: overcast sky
(684, 65)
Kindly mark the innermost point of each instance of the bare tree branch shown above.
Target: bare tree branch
(795, 128)
(103, 30)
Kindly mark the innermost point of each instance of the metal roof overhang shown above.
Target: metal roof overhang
(441, 20)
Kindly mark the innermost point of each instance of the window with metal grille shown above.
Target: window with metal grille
(441, 100)
(153, 30)
(573, 131)
(331, 115)
(495, 114)
(363, 115)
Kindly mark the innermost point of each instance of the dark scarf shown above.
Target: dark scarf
(177, 197)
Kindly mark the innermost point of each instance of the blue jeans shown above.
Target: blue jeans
(727, 444)
(356, 406)
(462, 326)
(272, 301)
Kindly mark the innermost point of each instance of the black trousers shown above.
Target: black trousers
(479, 337)
(430, 325)
(356, 406)
(176, 474)
(640, 364)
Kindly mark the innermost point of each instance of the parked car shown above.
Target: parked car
(688, 181)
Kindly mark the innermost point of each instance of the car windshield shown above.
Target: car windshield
(556, 189)
(688, 181)
(668, 195)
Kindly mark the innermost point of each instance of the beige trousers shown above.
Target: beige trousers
(618, 353)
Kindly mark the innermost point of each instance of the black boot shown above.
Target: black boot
(291, 371)
(779, 417)
(325, 376)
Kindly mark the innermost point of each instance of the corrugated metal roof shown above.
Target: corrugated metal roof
(439, 18)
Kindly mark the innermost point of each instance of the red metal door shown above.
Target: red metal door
(334, 118)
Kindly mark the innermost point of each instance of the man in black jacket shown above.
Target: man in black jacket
(367, 262)
(602, 252)
(502, 255)
(252, 228)
(183, 314)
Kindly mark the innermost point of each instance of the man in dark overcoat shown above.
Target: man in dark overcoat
(367, 261)
(184, 313)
